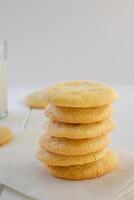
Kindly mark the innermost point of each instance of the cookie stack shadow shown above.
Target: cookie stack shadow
(76, 135)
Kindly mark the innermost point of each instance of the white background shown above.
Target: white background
(54, 40)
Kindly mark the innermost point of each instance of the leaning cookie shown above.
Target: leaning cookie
(79, 131)
(87, 171)
(73, 147)
(35, 100)
(6, 135)
(78, 115)
(52, 159)
(80, 94)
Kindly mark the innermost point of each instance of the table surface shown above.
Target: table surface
(22, 118)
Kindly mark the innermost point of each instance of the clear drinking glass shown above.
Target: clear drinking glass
(3, 78)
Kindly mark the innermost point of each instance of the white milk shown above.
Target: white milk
(3, 87)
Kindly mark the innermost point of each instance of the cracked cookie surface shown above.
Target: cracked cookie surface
(73, 147)
(87, 171)
(52, 159)
(80, 94)
(78, 115)
(79, 131)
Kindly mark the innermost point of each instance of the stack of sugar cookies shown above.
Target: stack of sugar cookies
(76, 137)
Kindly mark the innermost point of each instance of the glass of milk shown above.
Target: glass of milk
(3, 78)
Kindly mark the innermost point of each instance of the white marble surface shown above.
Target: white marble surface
(22, 118)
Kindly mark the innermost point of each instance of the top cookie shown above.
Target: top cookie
(80, 94)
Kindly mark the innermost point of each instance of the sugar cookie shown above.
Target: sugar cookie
(73, 147)
(79, 131)
(78, 115)
(35, 100)
(5, 135)
(52, 159)
(87, 171)
(80, 94)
